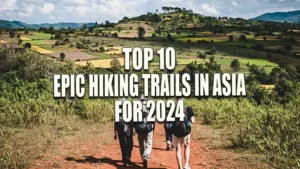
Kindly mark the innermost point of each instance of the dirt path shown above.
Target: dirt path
(103, 152)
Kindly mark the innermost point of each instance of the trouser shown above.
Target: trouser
(145, 142)
(126, 144)
(168, 135)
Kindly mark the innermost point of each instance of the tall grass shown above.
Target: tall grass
(270, 129)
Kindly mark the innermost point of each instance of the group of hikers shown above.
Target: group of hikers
(177, 133)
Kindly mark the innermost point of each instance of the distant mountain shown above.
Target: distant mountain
(18, 24)
(292, 16)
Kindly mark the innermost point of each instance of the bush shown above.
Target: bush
(79, 45)
(27, 45)
(62, 56)
(102, 49)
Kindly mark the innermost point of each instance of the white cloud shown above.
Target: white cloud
(82, 10)
(31, 11)
(8, 5)
(208, 9)
(234, 3)
(47, 8)
(79, 1)
(51, 18)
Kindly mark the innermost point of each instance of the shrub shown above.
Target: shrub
(62, 56)
(79, 45)
(27, 45)
(101, 49)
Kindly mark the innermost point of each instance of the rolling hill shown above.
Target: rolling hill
(292, 16)
(18, 24)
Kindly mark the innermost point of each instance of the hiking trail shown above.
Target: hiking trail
(101, 151)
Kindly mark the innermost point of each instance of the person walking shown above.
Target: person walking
(124, 131)
(145, 132)
(181, 131)
(168, 132)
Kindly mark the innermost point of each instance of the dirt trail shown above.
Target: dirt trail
(96, 153)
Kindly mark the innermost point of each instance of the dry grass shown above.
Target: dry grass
(113, 50)
(24, 38)
(3, 41)
(40, 50)
(216, 39)
(269, 87)
(103, 63)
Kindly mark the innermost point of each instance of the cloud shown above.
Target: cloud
(33, 11)
(78, 1)
(8, 5)
(47, 8)
(208, 9)
(234, 3)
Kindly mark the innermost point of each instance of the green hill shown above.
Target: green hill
(292, 16)
(18, 24)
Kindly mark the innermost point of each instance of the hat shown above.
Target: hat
(122, 99)
(142, 98)
(179, 98)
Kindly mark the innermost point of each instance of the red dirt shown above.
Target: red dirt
(99, 152)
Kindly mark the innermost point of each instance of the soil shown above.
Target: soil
(209, 149)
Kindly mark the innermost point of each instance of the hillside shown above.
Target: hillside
(292, 16)
(18, 24)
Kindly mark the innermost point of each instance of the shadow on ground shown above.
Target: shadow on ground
(116, 163)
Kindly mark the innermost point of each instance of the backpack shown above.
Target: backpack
(181, 128)
(122, 126)
(144, 126)
(168, 125)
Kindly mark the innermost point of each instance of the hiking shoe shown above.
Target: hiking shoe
(187, 167)
(145, 163)
(168, 148)
(130, 163)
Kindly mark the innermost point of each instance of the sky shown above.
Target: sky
(83, 11)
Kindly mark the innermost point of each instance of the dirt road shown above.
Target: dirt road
(101, 151)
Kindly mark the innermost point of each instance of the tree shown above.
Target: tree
(101, 49)
(141, 32)
(201, 55)
(243, 38)
(83, 28)
(119, 29)
(20, 41)
(211, 59)
(283, 64)
(235, 65)
(115, 35)
(282, 87)
(288, 47)
(230, 38)
(115, 62)
(27, 45)
(169, 37)
(62, 56)
(11, 34)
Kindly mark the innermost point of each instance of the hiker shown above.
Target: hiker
(124, 131)
(168, 131)
(145, 132)
(181, 131)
